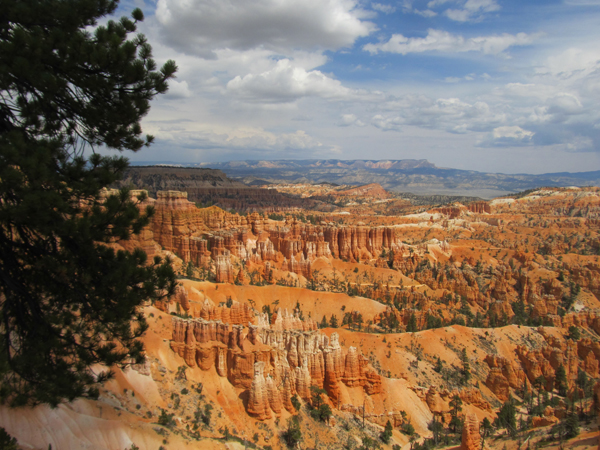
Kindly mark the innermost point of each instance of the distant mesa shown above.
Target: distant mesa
(417, 176)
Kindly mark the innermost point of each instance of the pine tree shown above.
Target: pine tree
(323, 323)
(560, 380)
(7, 442)
(455, 409)
(574, 333)
(386, 434)
(486, 427)
(67, 300)
(507, 417)
(411, 326)
(571, 425)
(333, 322)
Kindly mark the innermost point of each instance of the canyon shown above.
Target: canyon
(434, 319)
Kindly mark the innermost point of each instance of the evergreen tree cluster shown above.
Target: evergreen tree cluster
(68, 87)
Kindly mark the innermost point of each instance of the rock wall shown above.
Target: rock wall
(273, 362)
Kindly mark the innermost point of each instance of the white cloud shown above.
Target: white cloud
(472, 10)
(469, 77)
(178, 89)
(575, 63)
(436, 3)
(443, 41)
(381, 7)
(448, 114)
(201, 26)
(508, 136)
(286, 83)
(351, 119)
(512, 132)
(190, 134)
(266, 92)
(387, 124)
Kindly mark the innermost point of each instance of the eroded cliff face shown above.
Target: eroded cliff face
(273, 361)
(212, 239)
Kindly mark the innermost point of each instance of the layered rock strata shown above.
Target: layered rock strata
(273, 363)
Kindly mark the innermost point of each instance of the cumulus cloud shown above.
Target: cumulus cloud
(190, 134)
(449, 114)
(201, 26)
(351, 119)
(445, 42)
(286, 83)
(572, 63)
(178, 89)
(508, 136)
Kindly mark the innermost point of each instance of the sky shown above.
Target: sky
(506, 86)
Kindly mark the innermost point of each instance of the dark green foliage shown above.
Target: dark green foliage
(571, 425)
(574, 333)
(507, 417)
(68, 301)
(390, 322)
(411, 326)
(166, 419)
(189, 271)
(319, 410)
(323, 323)
(7, 442)
(292, 435)
(204, 415)
(368, 444)
(584, 383)
(560, 380)
(333, 322)
(486, 428)
(433, 322)
(322, 413)
(436, 429)
(567, 428)
(386, 435)
(439, 365)
(465, 309)
(568, 301)
(455, 408)
(408, 429)
(296, 403)
(521, 315)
